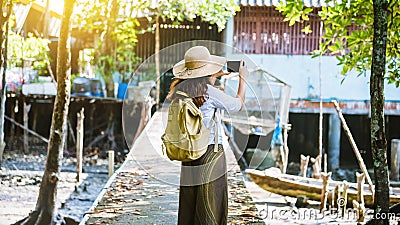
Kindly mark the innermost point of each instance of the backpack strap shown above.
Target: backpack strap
(216, 131)
(182, 93)
(215, 122)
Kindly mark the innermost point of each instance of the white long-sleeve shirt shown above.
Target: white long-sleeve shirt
(217, 99)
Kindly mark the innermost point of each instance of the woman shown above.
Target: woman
(203, 196)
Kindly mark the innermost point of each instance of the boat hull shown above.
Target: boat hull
(290, 185)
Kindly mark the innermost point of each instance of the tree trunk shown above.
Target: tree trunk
(109, 49)
(3, 64)
(378, 138)
(46, 207)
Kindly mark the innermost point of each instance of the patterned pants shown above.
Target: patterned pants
(203, 196)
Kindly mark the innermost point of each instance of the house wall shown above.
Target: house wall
(302, 73)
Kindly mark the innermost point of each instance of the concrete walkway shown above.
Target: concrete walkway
(145, 189)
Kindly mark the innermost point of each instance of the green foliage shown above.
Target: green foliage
(212, 11)
(94, 16)
(349, 33)
(125, 57)
(32, 51)
(121, 58)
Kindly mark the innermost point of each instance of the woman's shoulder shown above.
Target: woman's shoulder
(220, 99)
(213, 90)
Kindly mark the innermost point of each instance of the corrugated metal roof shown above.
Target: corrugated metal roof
(22, 15)
(307, 3)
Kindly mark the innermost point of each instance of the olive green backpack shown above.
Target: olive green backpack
(185, 138)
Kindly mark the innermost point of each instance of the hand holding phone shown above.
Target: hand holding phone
(233, 66)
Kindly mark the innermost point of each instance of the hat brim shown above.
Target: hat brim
(211, 67)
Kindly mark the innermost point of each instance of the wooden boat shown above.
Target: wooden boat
(274, 181)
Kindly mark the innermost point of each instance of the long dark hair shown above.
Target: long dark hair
(196, 88)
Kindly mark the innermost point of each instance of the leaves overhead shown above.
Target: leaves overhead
(122, 58)
(348, 33)
(212, 11)
(97, 11)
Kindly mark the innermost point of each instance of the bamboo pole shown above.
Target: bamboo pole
(27, 129)
(321, 115)
(354, 147)
(79, 144)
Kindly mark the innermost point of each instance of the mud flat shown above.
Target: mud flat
(20, 180)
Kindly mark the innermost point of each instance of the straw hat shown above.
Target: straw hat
(198, 62)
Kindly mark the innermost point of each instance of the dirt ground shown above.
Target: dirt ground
(20, 179)
(21, 176)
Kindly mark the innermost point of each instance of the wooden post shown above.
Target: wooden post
(324, 192)
(334, 141)
(79, 144)
(14, 107)
(339, 200)
(344, 196)
(395, 162)
(110, 163)
(71, 131)
(304, 165)
(66, 139)
(35, 113)
(359, 208)
(316, 166)
(27, 108)
(285, 156)
(157, 60)
(354, 147)
(360, 189)
(143, 120)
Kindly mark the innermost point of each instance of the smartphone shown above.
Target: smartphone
(233, 66)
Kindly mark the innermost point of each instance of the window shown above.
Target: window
(261, 30)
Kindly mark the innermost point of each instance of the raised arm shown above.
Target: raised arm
(243, 73)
